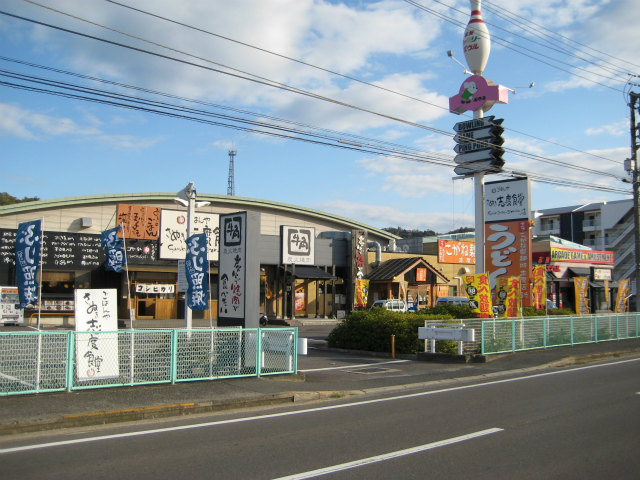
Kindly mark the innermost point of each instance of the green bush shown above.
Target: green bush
(552, 312)
(372, 330)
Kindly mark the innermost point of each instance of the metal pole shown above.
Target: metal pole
(636, 193)
(478, 184)
(190, 211)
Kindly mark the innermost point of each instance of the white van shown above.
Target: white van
(392, 304)
(452, 301)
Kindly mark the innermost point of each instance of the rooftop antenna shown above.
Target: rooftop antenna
(231, 190)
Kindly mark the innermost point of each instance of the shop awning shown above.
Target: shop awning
(580, 272)
(309, 272)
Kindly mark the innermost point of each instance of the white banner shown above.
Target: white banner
(96, 352)
(173, 233)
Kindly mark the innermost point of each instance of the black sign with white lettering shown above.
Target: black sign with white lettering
(77, 251)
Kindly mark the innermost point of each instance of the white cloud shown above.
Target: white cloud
(26, 124)
(616, 129)
(385, 216)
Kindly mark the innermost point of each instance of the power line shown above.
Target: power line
(284, 87)
(285, 57)
(181, 112)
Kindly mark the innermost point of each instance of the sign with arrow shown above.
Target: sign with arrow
(479, 145)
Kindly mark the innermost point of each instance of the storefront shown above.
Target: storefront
(407, 278)
(565, 262)
(314, 282)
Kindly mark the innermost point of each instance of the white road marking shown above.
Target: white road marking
(351, 366)
(307, 410)
(390, 455)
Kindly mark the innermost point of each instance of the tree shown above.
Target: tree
(6, 199)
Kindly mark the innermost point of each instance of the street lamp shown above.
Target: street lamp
(187, 198)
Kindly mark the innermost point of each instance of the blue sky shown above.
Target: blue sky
(391, 57)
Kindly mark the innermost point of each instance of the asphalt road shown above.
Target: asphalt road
(581, 422)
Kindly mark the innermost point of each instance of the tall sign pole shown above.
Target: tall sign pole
(479, 95)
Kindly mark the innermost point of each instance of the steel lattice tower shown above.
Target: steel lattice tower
(231, 189)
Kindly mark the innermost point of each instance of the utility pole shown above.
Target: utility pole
(633, 99)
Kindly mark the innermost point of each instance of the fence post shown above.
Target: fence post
(295, 350)
(258, 352)
(174, 356)
(482, 337)
(544, 332)
(71, 359)
(595, 327)
(572, 327)
(513, 335)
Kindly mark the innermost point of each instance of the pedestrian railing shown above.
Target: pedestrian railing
(516, 334)
(44, 361)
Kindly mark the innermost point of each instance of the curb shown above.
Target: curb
(143, 413)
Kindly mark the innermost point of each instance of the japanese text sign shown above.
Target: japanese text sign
(581, 285)
(113, 250)
(477, 289)
(96, 314)
(507, 253)
(173, 234)
(232, 271)
(197, 271)
(454, 251)
(507, 200)
(28, 249)
(298, 245)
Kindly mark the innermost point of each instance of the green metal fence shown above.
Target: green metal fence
(37, 362)
(516, 334)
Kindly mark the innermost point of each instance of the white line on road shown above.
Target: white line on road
(352, 366)
(390, 455)
(307, 410)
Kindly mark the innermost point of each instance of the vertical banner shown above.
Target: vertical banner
(621, 299)
(28, 248)
(479, 294)
(508, 297)
(539, 287)
(113, 249)
(300, 301)
(359, 240)
(362, 292)
(197, 272)
(96, 312)
(231, 276)
(581, 285)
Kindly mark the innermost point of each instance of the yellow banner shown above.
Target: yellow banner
(478, 292)
(362, 292)
(539, 287)
(621, 299)
(508, 296)
(581, 285)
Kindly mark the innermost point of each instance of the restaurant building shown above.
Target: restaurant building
(307, 262)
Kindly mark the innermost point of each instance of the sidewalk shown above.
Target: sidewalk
(26, 413)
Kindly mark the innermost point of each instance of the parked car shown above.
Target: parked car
(452, 301)
(393, 304)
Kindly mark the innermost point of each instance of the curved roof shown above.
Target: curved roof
(233, 201)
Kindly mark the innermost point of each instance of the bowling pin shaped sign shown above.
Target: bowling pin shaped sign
(476, 42)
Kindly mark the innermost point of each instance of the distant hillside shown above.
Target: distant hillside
(404, 233)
